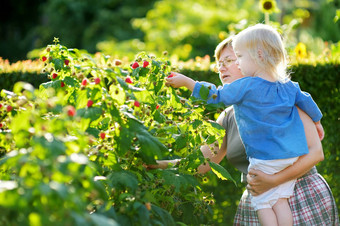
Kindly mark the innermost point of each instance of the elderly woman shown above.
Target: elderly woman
(312, 202)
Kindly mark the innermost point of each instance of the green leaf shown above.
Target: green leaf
(196, 123)
(118, 94)
(80, 98)
(135, 73)
(181, 141)
(175, 179)
(221, 172)
(58, 64)
(143, 72)
(159, 117)
(51, 84)
(123, 180)
(96, 94)
(151, 147)
(164, 217)
(155, 67)
(143, 96)
(143, 213)
(92, 113)
(216, 125)
(100, 220)
(71, 82)
(204, 92)
(55, 146)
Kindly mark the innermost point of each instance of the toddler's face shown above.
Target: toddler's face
(245, 62)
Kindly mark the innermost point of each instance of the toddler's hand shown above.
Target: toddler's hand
(177, 80)
(320, 130)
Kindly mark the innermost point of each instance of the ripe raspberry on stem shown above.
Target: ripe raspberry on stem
(9, 108)
(136, 103)
(89, 103)
(128, 80)
(54, 75)
(66, 62)
(135, 65)
(102, 135)
(84, 82)
(171, 75)
(145, 63)
(71, 111)
(44, 58)
(97, 81)
(62, 84)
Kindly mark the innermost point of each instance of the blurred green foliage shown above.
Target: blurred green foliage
(184, 28)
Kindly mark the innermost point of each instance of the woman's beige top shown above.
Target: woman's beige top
(236, 153)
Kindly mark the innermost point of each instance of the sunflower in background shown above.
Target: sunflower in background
(268, 7)
(300, 50)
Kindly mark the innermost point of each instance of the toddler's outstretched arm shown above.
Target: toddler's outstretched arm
(177, 80)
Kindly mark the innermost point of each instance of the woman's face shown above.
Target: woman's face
(229, 71)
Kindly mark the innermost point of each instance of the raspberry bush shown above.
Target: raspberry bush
(73, 152)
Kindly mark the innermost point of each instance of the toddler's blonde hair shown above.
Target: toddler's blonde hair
(265, 46)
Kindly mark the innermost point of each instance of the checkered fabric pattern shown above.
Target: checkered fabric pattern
(311, 204)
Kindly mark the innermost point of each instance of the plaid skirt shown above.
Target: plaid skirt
(312, 203)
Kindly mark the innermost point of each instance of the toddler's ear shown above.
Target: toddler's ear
(260, 54)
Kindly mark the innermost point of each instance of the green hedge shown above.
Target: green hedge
(320, 80)
(7, 80)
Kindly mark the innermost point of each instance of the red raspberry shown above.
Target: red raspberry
(55, 75)
(62, 84)
(136, 103)
(157, 107)
(97, 80)
(135, 65)
(0, 105)
(102, 135)
(66, 62)
(44, 58)
(71, 111)
(128, 80)
(145, 63)
(89, 103)
(171, 75)
(84, 82)
(9, 108)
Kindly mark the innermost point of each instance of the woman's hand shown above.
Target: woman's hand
(319, 129)
(259, 182)
(163, 164)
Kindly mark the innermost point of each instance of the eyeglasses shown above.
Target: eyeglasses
(226, 62)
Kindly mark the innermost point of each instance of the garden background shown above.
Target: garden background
(61, 43)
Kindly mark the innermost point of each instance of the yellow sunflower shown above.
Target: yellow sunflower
(268, 6)
(300, 50)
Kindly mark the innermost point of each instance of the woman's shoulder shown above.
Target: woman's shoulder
(226, 118)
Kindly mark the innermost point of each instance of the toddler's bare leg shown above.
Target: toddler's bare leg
(283, 212)
(267, 217)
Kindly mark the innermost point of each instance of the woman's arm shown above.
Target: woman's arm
(259, 182)
(208, 153)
